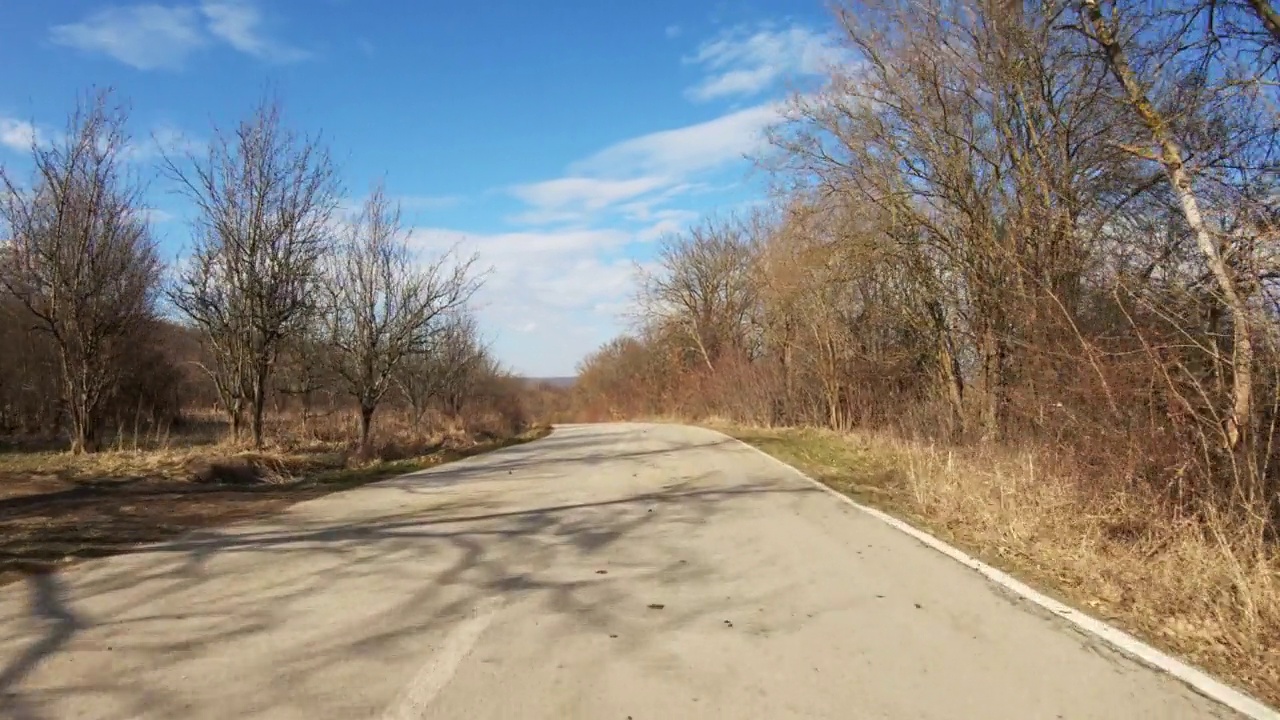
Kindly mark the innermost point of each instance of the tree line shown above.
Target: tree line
(1047, 222)
(280, 299)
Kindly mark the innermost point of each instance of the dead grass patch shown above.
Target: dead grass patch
(56, 508)
(1196, 588)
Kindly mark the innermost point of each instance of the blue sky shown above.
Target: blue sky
(558, 140)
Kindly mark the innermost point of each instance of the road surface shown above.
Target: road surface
(616, 571)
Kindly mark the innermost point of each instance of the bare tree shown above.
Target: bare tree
(81, 258)
(383, 307)
(705, 287)
(447, 370)
(304, 370)
(265, 197)
(1169, 153)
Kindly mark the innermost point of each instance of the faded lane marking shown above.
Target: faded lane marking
(436, 673)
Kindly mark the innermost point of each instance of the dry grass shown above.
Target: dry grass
(1195, 588)
(56, 507)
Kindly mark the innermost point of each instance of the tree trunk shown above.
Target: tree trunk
(81, 428)
(234, 420)
(788, 375)
(951, 376)
(1268, 16)
(79, 410)
(366, 426)
(306, 413)
(993, 381)
(259, 407)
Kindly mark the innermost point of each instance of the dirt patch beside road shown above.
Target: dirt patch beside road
(56, 508)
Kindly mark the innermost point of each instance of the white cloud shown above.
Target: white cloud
(743, 63)
(554, 294)
(569, 199)
(144, 36)
(557, 294)
(151, 36)
(238, 23)
(673, 31)
(647, 208)
(591, 193)
(17, 134)
(538, 216)
(513, 249)
(666, 222)
(683, 151)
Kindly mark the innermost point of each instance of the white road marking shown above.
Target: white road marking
(1122, 641)
(436, 673)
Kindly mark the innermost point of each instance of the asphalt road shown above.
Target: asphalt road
(615, 571)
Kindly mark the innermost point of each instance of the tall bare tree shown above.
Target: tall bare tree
(705, 287)
(1169, 153)
(81, 258)
(383, 306)
(265, 196)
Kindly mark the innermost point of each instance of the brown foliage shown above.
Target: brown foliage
(981, 241)
(1027, 263)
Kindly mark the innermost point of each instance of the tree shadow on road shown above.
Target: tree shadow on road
(116, 513)
(593, 565)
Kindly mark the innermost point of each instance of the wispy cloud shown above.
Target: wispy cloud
(147, 37)
(162, 37)
(239, 24)
(156, 216)
(592, 221)
(556, 292)
(681, 152)
(666, 222)
(558, 286)
(648, 208)
(673, 31)
(559, 293)
(569, 199)
(744, 61)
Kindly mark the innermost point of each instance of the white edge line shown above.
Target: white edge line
(1122, 641)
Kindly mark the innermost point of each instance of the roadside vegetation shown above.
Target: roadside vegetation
(1174, 583)
(296, 349)
(1016, 282)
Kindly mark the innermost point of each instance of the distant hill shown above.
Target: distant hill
(560, 382)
